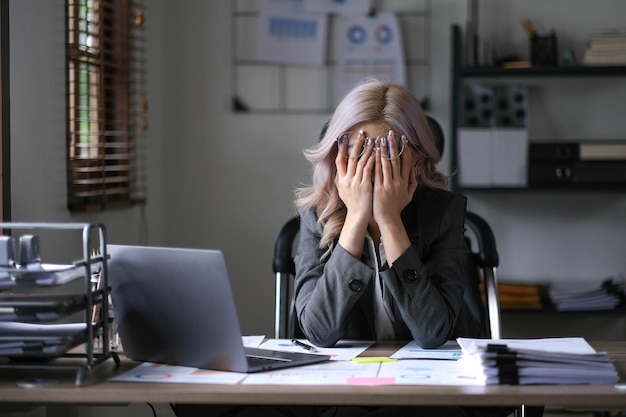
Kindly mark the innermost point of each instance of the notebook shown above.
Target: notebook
(176, 306)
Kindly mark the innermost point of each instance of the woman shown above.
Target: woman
(382, 253)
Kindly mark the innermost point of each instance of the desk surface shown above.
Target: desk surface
(98, 390)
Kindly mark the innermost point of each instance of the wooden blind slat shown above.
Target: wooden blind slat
(107, 104)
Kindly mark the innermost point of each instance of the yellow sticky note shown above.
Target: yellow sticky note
(372, 359)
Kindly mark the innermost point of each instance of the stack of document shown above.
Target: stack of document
(42, 275)
(606, 49)
(567, 360)
(607, 295)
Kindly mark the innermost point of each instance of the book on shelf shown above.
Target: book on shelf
(606, 49)
(607, 38)
(595, 58)
(559, 361)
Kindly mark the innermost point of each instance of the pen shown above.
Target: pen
(303, 345)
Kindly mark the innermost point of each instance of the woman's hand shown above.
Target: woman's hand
(394, 181)
(394, 186)
(354, 184)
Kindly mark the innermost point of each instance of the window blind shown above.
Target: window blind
(107, 104)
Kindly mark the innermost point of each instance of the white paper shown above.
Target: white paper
(344, 350)
(368, 47)
(288, 35)
(428, 372)
(326, 373)
(561, 345)
(152, 372)
(449, 350)
(252, 341)
(339, 7)
(42, 275)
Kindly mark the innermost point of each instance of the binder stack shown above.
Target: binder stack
(558, 361)
(577, 164)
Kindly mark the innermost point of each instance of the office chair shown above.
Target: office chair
(483, 264)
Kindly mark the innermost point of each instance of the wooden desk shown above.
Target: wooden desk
(99, 391)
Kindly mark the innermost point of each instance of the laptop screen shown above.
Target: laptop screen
(175, 306)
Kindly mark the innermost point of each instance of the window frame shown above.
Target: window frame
(5, 115)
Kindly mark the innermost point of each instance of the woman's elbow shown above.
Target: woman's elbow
(434, 336)
(319, 334)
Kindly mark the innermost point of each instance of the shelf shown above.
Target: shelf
(544, 189)
(563, 71)
(549, 310)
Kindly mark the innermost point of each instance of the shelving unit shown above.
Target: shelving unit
(544, 322)
(37, 305)
(462, 73)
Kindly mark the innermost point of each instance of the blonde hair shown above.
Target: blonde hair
(372, 101)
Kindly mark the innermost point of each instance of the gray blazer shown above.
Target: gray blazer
(334, 297)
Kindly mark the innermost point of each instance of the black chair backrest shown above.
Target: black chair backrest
(285, 322)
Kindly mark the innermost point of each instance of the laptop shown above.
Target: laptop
(175, 306)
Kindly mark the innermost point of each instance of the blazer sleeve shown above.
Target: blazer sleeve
(427, 281)
(326, 291)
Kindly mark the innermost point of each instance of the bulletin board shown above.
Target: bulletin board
(270, 88)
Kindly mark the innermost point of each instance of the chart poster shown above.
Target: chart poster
(337, 6)
(368, 47)
(287, 34)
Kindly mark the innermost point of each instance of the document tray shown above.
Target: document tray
(27, 340)
(25, 307)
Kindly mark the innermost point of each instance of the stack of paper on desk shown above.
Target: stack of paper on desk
(606, 295)
(536, 361)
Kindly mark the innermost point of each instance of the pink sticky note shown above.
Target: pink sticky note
(370, 381)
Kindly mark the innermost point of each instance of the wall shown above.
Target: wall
(38, 132)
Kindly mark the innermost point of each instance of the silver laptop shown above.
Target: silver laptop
(176, 306)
